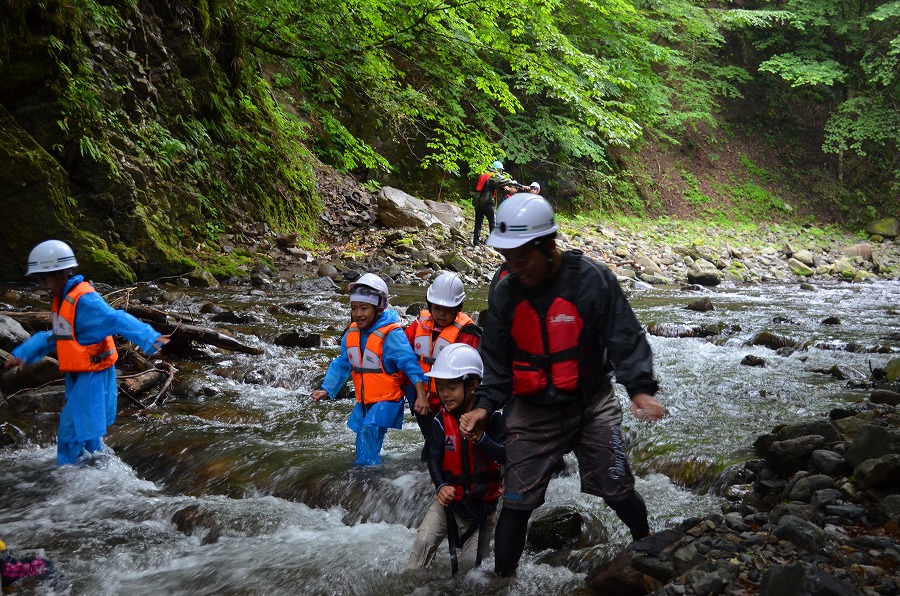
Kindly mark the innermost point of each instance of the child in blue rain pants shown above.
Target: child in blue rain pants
(375, 353)
(83, 326)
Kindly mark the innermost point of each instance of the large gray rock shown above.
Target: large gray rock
(802, 579)
(450, 214)
(11, 333)
(871, 442)
(704, 273)
(879, 473)
(803, 534)
(888, 227)
(396, 209)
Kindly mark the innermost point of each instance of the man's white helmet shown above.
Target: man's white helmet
(50, 256)
(371, 289)
(446, 290)
(535, 186)
(520, 219)
(457, 361)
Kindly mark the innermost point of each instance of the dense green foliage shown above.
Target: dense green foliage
(559, 87)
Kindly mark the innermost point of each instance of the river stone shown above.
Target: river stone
(296, 339)
(828, 461)
(799, 268)
(806, 257)
(618, 577)
(883, 396)
(892, 369)
(805, 487)
(871, 441)
(879, 473)
(396, 209)
(803, 534)
(802, 579)
(11, 333)
(702, 305)
(792, 454)
(888, 227)
(704, 273)
(450, 214)
(564, 527)
(823, 428)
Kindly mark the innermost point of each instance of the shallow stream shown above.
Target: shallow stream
(260, 479)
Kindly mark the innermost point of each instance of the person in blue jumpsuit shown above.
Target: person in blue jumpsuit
(380, 398)
(91, 395)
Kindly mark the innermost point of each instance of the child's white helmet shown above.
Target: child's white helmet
(50, 256)
(522, 218)
(446, 290)
(370, 285)
(457, 361)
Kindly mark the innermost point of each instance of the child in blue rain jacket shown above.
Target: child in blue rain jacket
(375, 352)
(83, 326)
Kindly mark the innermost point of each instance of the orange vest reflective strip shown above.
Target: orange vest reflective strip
(371, 382)
(465, 467)
(427, 350)
(74, 357)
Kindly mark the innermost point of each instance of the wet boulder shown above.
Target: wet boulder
(704, 273)
(297, 339)
(883, 472)
(702, 305)
(751, 360)
(871, 442)
(564, 527)
(794, 454)
(887, 227)
(11, 333)
(771, 340)
(192, 519)
(802, 579)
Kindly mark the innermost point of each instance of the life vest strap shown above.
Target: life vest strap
(427, 359)
(97, 358)
(364, 369)
(545, 360)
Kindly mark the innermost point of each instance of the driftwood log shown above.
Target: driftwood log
(163, 322)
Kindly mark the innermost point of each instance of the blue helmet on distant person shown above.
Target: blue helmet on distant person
(497, 165)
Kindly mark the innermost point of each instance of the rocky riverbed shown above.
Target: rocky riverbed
(818, 513)
(407, 240)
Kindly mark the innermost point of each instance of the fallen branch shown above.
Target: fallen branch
(160, 397)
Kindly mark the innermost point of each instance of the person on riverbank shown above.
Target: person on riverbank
(375, 356)
(558, 328)
(444, 323)
(83, 326)
(486, 194)
(465, 471)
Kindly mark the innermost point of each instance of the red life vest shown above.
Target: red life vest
(73, 356)
(550, 346)
(427, 347)
(482, 180)
(470, 472)
(370, 381)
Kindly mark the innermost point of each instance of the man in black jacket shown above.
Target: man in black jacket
(558, 330)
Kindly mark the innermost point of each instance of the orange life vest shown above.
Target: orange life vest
(427, 347)
(470, 472)
(73, 356)
(551, 346)
(371, 382)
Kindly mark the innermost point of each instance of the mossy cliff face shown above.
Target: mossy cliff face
(132, 130)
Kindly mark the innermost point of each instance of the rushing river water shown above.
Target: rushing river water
(240, 484)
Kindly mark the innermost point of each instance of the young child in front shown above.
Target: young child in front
(465, 472)
(374, 351)
(442, 325)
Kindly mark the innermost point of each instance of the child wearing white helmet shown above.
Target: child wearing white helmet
(444, 323)
(465, 472)
(376, 358)
(83, 326)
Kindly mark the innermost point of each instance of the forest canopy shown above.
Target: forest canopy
(560, 85)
